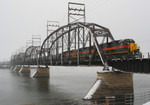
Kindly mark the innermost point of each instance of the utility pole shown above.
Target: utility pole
(76, 12)
(51, 26)
(28, 43)
(36, 40)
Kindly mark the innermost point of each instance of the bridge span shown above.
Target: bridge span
(87, 44)
(80, 44)
(72, 44)
(90, 44)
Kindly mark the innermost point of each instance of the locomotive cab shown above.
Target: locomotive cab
(132, 48)
(120, 49)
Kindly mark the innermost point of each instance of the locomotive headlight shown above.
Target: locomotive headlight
(133, 53)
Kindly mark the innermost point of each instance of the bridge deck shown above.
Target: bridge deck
(133, 65)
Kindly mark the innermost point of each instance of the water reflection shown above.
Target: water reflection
(25, 74)
(42, 84)
(114, 89)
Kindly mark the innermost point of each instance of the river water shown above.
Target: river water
(65, 84)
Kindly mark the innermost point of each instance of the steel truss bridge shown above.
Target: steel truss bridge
(73, 44)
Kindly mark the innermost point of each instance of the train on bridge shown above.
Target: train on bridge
(118, 49)
(78, 44)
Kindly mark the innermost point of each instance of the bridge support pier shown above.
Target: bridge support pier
(25, 69)
(111, 84)
(106, 67)
(17, 68)
(12, 67)
(41, 72)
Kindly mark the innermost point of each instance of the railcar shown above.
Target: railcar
(121, 49)
(118, 49)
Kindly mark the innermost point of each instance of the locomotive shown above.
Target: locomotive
(118, 49)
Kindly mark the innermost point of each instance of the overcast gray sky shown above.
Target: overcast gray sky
(20, 19)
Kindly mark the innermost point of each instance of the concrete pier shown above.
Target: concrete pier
(25, 69)
(114, 84)
(111, 85)
(41, 72)
(12, 67)
(17, 68)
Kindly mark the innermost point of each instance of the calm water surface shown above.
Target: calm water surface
(64, 84)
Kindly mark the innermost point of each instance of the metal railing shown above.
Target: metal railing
(142, 98)
(146, 55)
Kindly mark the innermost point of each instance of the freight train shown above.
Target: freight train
(118, 49)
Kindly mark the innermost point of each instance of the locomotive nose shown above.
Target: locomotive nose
(133, 47)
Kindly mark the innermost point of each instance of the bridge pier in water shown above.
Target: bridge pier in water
(12, 67)
(111, 86)
(17, 68)
(25, 69)
(41, 72)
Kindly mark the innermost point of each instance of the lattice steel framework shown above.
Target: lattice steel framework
(29, 43)
(51, 26)
(71, 37)
(18, 59)
(36, 40)
(76, 12)
(31, 55)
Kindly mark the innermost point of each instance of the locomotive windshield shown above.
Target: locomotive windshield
(128, 41)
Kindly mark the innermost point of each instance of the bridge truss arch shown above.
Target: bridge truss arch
(32, 55)
(17, 59)
(67, 42)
